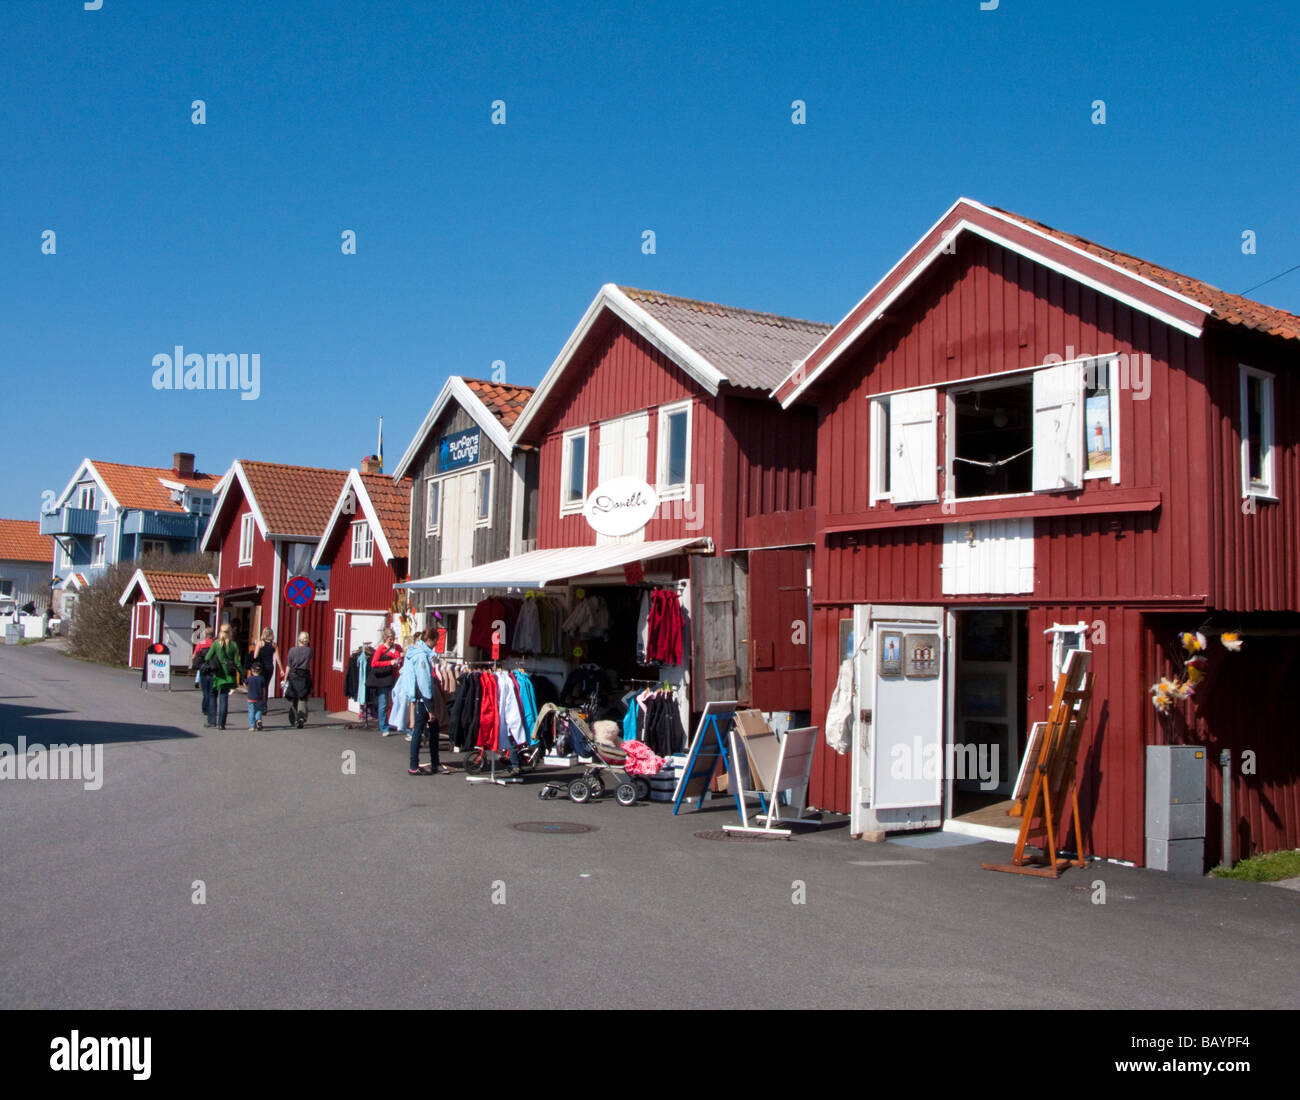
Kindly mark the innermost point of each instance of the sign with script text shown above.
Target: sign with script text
(620, 506)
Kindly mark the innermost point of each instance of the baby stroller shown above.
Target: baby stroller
(606, 770)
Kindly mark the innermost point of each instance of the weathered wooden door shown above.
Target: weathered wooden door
(780, 655)
(719, 651)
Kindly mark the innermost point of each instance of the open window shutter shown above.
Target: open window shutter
(610, 448)
(636, 446)
(1058, 427)
(914, 446)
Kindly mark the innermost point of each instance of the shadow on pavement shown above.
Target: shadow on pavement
(46, 726)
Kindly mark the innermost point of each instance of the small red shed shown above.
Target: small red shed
(1038, 442)
(168, 608)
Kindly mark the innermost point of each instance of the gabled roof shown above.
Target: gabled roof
(74, 581)
(21, 540)
(147, 488)
(159, 585)
(493, 406)
(383, 502)
(713, 344)
(286, 501)
(1177, 300)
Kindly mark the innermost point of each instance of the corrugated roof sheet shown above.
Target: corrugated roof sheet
(294, 500)
(1234, 309)
(754, 350)
(21, 540)
(502, 401)
(392, 501)
(142, 487)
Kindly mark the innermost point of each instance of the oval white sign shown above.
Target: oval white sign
(620, 506)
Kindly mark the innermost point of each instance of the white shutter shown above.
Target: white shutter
(914, 446)
(468, 513)
(636, 446)
(449, 527)
(609, 462)
(992, 556)
(1058, 427)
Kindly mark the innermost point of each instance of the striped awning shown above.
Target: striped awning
(542, 567)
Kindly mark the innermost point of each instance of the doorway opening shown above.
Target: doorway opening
(989, 714)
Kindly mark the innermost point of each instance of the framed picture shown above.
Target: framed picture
(890, 659)
(920, 655)
(984, 695)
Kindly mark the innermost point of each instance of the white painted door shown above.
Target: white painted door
(456, 527)
(624, 451)
(362, 629)
(898, 766)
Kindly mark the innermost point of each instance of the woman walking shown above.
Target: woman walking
(262, 666)
(223, 660)
(204, 673)
(298, 685)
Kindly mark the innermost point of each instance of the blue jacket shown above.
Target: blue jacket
(419, 659)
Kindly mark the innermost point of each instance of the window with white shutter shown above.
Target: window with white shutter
(914, 446)
(1058, 427)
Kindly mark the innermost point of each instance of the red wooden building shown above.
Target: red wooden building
(265, 525)
(165, 608)
(365, 548)
(1020, 430)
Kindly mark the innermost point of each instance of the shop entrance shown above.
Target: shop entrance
(988, 709)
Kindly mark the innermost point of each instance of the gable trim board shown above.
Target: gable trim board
(965, 215)
(456, 388)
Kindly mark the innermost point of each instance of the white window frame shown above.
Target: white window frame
(1112, 387)
(482, 515)
(568, 507)
(246, 522)
(433, 511)
(340, 639)
(86, 498)
(878, 449)
(666, 491)
(1266, 487)
(1010, 378)
(99, 550)
(148, 620)
(361, 532)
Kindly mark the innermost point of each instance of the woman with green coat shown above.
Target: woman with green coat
(223, 660)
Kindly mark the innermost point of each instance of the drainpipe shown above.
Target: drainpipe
(1225, 765)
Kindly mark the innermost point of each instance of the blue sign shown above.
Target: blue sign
(461, 449)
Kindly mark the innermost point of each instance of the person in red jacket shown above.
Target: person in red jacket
(384, 667)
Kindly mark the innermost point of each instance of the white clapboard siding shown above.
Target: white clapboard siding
(914, 446)
(1058, 427)
(994, 556)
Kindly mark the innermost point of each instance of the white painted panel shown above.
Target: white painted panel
(449, 526)
(468, 515)
(913, 442)
(992, 556)
(908, 731)
(1058, 427)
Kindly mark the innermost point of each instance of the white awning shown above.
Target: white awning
(542, 567)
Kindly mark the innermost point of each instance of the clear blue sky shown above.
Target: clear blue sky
(478, 242)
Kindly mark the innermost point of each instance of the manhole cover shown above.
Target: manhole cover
(722, 834)
(552, 827)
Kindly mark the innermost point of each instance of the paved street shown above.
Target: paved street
(376, 890)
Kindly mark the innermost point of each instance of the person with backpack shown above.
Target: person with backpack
(384, 667)
(223, 660)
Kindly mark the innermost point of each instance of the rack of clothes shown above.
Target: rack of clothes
(534, 624)
(493, 707)
(654, 718)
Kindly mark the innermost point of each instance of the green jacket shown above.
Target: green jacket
(223, 660)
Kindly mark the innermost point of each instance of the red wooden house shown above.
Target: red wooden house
(365, 548)
(674, 392)
(1029, 432)
(265, 525)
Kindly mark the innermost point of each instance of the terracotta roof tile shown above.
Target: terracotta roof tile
(142, 487)
(1233, 309)
(294, 500)
(169, 586)
(754, 350)
(21, 540)
(392, 501)
(502, 401)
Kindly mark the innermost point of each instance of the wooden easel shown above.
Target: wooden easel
(1053, 775)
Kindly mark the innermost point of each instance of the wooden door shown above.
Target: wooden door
(719, 645)
(779, 648)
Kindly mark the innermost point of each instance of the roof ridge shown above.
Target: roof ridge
(290, 466)
(489, 382)
(631, 290)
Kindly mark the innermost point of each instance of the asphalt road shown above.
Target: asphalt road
(376, 889)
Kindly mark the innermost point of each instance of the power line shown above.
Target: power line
(1277, 276)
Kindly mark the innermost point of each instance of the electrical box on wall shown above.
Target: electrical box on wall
(1175, 809)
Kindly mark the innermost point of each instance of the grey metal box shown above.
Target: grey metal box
(1175, 774)
(1175, 822)
(1178, 857)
